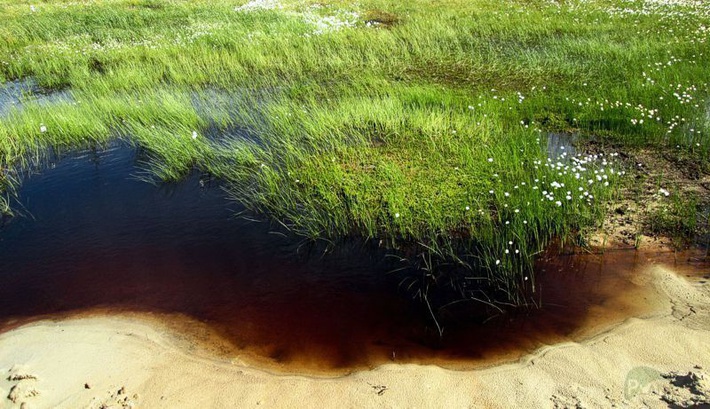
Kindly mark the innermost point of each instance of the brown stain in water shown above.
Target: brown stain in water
(100, 242)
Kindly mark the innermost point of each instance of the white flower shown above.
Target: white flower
(558, 203)
(194, 134)
(32, 8)
(42, 128)
(490, 159)
(396, 215)
(497, 262)
(259, 4)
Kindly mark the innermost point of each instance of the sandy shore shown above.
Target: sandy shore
(122, 362)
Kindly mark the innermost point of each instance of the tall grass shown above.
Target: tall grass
(421, 125)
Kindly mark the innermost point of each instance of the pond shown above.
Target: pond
(90, 235)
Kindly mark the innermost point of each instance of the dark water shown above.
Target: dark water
(92, 236)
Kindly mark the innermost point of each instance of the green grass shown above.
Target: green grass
(421, 124)
(682, 218)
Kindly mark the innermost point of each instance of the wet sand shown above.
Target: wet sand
(136, 361)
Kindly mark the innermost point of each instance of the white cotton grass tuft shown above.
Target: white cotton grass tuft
(259, 5)
(321, 23)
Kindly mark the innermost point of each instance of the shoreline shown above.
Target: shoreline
(130, 363)
(628, 292)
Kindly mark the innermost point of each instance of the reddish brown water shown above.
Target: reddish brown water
(93, 237)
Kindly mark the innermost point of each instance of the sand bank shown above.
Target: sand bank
(121, 361)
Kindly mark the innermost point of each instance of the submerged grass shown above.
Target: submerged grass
(422, 125)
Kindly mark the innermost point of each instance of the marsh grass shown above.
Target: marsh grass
(683, 218)
(420, 125)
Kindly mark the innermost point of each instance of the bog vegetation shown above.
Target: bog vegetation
(423, 125)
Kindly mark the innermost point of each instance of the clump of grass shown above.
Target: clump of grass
(680, 218)
(377, 17)
(374, 169)
(8, 184)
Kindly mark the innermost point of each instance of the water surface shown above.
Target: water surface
(92, 236)
(14, 95)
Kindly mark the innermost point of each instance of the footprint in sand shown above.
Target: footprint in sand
(22, 391)
(118, 399)
(24, 385)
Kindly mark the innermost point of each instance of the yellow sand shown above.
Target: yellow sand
(114, 361)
